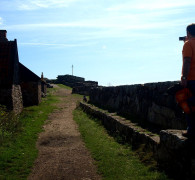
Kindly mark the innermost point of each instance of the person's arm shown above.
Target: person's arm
(185, 70)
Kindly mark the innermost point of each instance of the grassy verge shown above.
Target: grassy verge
(64, 86)
(74, 95)
(114, 160)
(18, 151)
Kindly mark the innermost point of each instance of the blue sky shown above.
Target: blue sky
(109, 41)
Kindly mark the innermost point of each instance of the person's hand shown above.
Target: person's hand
(185, 39)
(184, 82)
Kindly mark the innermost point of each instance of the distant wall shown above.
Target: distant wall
(150, 102)
(69, 80)
(84, 88)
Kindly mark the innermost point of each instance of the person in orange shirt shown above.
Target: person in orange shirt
(188, 76)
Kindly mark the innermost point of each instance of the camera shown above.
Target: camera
(182, 38)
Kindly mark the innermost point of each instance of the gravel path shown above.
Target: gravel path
(62, 153)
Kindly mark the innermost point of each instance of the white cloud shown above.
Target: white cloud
(151, 5)
(109, 25)
(114, 24)
(103, 28)
(79, 24)
(38, 4)
(53, 44)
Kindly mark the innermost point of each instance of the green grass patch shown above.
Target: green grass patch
(78, 96)
(64, 86)
(114, 160)
(73, 95)
(18, 151)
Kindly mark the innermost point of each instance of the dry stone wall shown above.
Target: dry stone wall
(69, 80)
(129, 131)
(12, 98)
(173, 152)
(150, 102)
(84, 88)
(17, 99)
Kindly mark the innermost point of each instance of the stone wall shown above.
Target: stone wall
(173, 152)
(69, 80)
(149, 102)
(17, 99)
(129, 131)
(31, 92)
(12, 98)
(176, 155)
(84, 88)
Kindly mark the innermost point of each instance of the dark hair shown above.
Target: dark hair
(191, 29)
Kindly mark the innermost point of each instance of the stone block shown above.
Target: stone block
(175, 154)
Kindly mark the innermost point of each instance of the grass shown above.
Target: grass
(114, 160)
(64, 86)
(74, 95)
(18, 151)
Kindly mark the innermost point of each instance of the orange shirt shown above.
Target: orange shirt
(189, 51)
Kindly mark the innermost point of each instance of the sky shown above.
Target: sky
(110, 41)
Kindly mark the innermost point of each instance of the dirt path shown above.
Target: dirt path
(62, 154)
